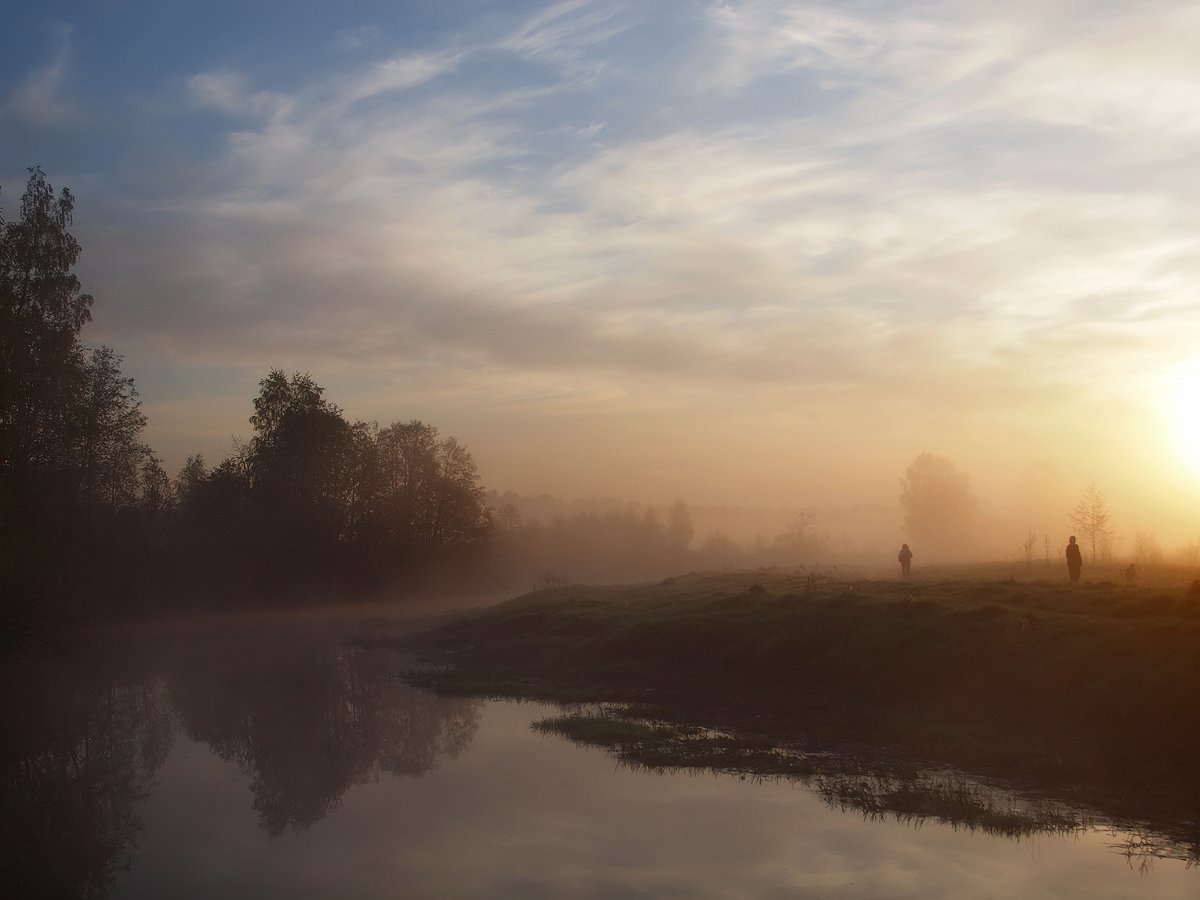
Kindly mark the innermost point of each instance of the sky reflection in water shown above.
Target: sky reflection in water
(519, 814)
(314, 774)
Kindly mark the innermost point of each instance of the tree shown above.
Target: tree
(42, 310)
(1091, 520)
(70, 451)
(939, 507)
(800, 538)
(108, 423)
(429, 496)
(680, 529)
(1146, 549)
(1028, 544)
(191, 479)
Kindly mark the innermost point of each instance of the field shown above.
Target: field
(1089, 691)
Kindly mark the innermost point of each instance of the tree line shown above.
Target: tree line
(91, 523)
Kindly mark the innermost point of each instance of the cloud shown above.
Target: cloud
(358, 37)
(39, 100)
(400, 73)
(566, 33)
(760, 37)
(902, 213)
(226, 92)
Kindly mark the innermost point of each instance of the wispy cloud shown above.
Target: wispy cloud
(41, 100)
(358, 36)
(567, 33)
(891, 209)
(227, 92)
(400, 73)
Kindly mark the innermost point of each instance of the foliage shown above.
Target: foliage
(73, 470)
(313, 505)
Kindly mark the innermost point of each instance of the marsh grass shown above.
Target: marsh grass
(893, 790)
(604, 731)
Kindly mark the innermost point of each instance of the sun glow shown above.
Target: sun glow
(1181, 402)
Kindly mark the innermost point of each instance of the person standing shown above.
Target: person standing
(1074, 559)
(905, 558)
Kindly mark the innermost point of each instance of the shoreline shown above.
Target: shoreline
(1087, 694)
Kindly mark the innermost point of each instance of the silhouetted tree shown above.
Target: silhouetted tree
(191, 479)
(315, 504)
(429, 497)
(108, 422)
(1091, 520)
(70, 452)
(939, 508)
(42, 310)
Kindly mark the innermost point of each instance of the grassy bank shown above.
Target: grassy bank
(1080, 687)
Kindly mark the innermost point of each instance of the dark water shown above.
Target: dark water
(284, 761)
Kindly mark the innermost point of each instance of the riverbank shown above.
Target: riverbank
(1092, 690)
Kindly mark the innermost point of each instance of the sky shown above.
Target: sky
(751, 252)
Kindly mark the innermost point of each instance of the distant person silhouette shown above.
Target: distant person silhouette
(905, 558)
(1074, 559)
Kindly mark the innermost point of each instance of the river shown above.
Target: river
(284, 759)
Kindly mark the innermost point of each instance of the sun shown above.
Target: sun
(1181, 404)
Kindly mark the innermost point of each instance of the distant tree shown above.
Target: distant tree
(508, 519)
(939, 507)
(1146, 549)
(191, 479)
(1028, 544)
(799, 538)
(719, 549)
(1091, 520)
(679, 526)
(157, 494)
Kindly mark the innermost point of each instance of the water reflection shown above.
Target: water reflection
(879, 789)
(305, 720)
(308, 723)
(77, 754)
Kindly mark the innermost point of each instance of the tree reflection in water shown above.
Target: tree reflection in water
(308, 723)
(77, 754)
(80, 743)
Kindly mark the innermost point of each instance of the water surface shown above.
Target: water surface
(274, 763)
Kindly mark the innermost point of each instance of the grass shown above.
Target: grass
(884, 790)
(1091, 690)
(604, 731)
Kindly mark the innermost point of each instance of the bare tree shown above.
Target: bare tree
(1029, 543)
(1091, 520)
